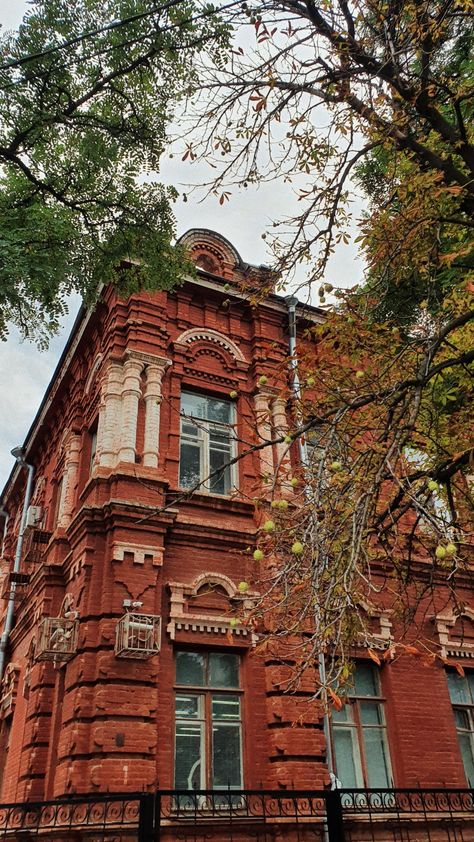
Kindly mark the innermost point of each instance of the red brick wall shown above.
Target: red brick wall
(100, 723)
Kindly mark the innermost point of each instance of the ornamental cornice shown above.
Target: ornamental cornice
(146, 359)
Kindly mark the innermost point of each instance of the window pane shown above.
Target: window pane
(346, 714)
(189, 465)
(458, 688)
(220, 437)
(225, 707)
(202, 406)
(190, 669)
(365, 680)
(189, 756)
(376, 758)
(221, 482)
(462, 719)
(371, 713)
(190, 430)
(187, 707)
(223, 670)
(466, 746)
(226, 756)
(348, 766)
(470, 681)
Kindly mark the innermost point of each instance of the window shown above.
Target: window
(207, 443)
(461, 691)
(93, 448)
(359, 734)
(208, 747)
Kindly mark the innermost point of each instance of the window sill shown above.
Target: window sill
(207, 498)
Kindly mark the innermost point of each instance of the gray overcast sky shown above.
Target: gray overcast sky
(25, 372)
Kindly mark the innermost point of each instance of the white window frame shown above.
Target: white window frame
(206, 693)
(202, 440)
(357, 729)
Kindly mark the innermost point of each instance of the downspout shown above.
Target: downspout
(6, 516)
(291, 303)
(17, 452)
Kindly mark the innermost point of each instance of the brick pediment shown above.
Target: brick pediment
(456, 633)
(209, 606)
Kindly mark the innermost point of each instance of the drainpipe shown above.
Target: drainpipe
(291, 303)
(6, 515)
(17, 452)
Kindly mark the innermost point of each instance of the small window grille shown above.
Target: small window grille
(57, 639)
(138, 636)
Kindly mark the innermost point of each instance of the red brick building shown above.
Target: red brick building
(124, 668)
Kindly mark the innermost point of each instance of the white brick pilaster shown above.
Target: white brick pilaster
(154, 376)
(131, 393)
(264, 430)
(109, 424)
(70, 478)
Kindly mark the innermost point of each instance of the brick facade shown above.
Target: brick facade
(114, 527)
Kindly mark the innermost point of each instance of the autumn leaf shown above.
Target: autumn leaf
(336, 700)
(374, 656)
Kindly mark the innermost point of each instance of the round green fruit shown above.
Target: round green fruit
(262, 380)
(440, 552)
(310, 381)
(268, 526)
(283, 504)
(257, 556)
(287, 439)
(233, 623)
(335, 466)
(294, 482)
(359, 373)
(451, 549)
(244, 586)
(432, 485)
(233, 395)
(297, 548)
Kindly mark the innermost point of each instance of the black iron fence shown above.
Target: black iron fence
(395, 815)
(96, 818)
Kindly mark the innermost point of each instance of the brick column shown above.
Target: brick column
(280, 424)
(264, 430)
(154, 376)
(131, 394)
(110, 426)
(70, 477)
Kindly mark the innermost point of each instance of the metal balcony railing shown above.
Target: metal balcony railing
(395, 815)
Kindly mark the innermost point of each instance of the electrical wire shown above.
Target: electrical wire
(90, 33)
(83, 58)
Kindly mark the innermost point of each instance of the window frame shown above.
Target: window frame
(207, 692)
(203, 441)
(468, 709)
(354, 700)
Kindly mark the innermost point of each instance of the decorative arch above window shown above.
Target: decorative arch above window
(9, 689)
(206, 335)
(456, 633)
(92, 373)
(205, 606)
(212, 253)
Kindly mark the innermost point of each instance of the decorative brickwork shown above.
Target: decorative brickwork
(118, 528)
